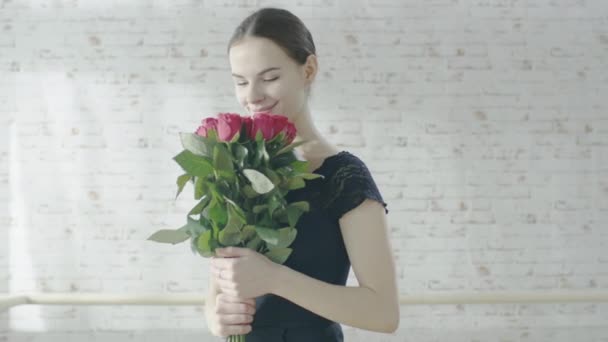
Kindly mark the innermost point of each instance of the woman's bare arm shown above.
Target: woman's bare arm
(374, 304)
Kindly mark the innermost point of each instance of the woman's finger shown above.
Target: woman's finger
(229, 330)
(225, 284)
(250, 302)
(235, 308)
(226, 298)
(235, 319)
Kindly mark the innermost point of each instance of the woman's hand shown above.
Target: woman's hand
(243, 272)
(233, 316)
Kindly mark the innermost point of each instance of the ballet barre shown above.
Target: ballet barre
(574, 296)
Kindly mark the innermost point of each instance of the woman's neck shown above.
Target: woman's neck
(317, 147)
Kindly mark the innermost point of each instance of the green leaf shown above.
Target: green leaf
(293, 215)
(286, 236)
(234, 223)
(240, 153)
(255, 243)
(181, 182)
(261, 151)
(265, 221)
(235, 138)
(193, 227)
(212, 136)
(295, 210)
(291, 146)
(283, 171)
(222, 159)
(259, 208)
(300, 166)
(275, 144)
(310, 176)
(249, 192)
(193, 244)
(259, 182)
(295, 183)
(280, 215)
(169, 236)
(222, 188)
(196, 144)
(302, 205)
(278, 138)
(229, 238)
(230, 235)
(269, 235)
(235, 210)
(199, 188)
(205, 222)
(278, 255)
(217, 212)
(282, 160)
(200, 206)
(205, 244)
(273, 204)
(265, 156)
(193, 164)
(213, 188)
(273, 176)
(256, 148)
(248, 232)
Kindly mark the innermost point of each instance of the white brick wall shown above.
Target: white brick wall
(484, 122)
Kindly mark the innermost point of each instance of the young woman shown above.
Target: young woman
(273, 62)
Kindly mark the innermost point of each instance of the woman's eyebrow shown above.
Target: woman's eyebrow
(259, 73)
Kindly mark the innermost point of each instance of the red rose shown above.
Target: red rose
(271, 125)
(207, 124)
(264, 123)
(282, 124)
(248, 122)
(229, 124)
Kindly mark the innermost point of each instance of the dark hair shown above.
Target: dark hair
(280, 26)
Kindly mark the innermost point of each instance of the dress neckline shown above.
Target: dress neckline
(327, 159)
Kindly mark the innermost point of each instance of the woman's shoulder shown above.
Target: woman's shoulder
(348, 182)
(343, 163)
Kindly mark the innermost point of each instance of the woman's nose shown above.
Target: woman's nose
(254, 95)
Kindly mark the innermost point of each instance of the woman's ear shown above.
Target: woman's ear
(310, 68)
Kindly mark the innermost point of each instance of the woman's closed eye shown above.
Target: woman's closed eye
(270, 80)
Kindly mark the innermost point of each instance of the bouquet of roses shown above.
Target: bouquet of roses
(241, 169)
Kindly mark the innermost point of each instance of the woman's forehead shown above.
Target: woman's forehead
(254, 54)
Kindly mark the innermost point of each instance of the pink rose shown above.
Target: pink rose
(229, 124)
(207, 124)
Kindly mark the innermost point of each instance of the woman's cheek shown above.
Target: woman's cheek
(279, 87)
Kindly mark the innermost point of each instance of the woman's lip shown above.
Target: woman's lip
(264, 109)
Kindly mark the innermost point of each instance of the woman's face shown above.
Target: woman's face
(267, 79)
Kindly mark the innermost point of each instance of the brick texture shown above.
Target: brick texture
(484, 123)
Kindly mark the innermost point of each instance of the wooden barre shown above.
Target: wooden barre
(10, 300)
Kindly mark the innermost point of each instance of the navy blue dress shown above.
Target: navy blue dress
(318, 250)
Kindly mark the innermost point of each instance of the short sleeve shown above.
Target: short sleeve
(349, 185)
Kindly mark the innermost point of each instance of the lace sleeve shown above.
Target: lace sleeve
(349, 185)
